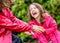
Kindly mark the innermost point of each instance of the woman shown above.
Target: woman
(9, 23)
(48, 26)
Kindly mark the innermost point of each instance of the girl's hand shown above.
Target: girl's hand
(27, 33)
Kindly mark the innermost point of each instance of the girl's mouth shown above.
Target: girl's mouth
(34, 13)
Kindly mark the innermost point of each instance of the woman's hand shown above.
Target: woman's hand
(38, 29)
(42, 29)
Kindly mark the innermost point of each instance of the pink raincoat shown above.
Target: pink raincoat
(9, 23)
(51, 30)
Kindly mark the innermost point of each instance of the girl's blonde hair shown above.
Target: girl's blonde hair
(41, 9)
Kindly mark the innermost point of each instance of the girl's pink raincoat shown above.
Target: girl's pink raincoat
(9, 23)
(51, 30)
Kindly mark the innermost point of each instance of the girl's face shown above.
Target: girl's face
(34, 11)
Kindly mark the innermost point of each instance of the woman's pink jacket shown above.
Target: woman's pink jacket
(9, 23)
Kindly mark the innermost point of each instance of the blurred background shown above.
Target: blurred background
(20, 10)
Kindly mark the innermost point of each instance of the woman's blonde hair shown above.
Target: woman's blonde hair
(5, 3)
(41, 9)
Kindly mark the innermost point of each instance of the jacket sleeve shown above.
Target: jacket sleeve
(22, 25)
(8, 24)
(52, 26)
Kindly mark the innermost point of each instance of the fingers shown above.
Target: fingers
(42, 29)
(32, 33)
(38, 29)
(27, 33)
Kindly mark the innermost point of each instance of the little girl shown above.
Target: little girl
(48, 27)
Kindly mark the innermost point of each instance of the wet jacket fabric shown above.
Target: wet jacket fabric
(9, 23)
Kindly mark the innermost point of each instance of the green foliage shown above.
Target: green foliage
(20, 10)
(25, 37)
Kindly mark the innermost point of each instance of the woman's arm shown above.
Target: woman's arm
(7, 23)
(22, 24)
